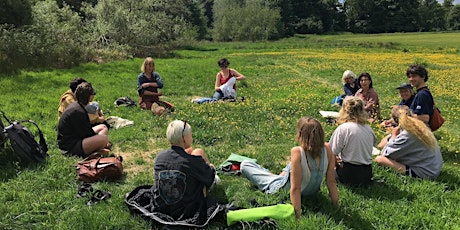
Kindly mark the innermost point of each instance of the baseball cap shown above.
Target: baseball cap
(405, 86)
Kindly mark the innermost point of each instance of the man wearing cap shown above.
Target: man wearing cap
(75, 135)
(407, 97)
(407, 94)
(423, 103)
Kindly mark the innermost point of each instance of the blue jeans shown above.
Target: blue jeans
(265, 180)
(218, 95)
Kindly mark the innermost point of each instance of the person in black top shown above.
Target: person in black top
(75, 135)
(182, 177)
(423, 103)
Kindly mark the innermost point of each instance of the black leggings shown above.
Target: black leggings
(354, 175)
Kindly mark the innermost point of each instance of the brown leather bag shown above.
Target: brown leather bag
(436, 120)
(96, 167)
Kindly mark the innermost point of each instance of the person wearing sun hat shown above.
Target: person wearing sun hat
(407, 94)
(407, 97)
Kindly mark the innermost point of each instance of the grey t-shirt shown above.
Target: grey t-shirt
(407, 149)
(353, 142)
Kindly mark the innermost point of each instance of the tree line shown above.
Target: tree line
(64, 33)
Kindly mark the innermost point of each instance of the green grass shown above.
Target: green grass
(286, 79)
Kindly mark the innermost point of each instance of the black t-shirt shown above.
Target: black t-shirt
(73, 126)
(179, 182)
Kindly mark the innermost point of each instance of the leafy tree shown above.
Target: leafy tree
(366, 16)
(53, 40)
(240, 20)
(314, 16)
(431, 16)
(146, 26)
(15, 12)
(76, 5)
(453, 18)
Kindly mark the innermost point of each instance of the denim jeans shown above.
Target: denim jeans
(265, 180)
(218, 95)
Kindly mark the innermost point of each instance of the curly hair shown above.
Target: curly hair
(83, 93)
(310, 135)
(403, 116)
(352, 111)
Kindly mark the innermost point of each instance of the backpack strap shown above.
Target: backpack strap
(42, 142)
(4, 116)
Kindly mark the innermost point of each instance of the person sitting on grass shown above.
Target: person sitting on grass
(75, 135)
(369, 96)
(310, 163)
(95, 114)
(411, 149)
(352, 142)
(407, 96)
(350, 83)
(224, 90)
(183, 175)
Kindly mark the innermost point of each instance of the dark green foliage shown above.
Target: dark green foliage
(15, 12)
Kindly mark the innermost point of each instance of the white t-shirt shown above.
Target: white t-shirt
(353, 142)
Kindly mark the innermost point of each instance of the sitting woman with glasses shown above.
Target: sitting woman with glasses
(369, 96)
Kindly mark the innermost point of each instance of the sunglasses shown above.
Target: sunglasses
(185, 125)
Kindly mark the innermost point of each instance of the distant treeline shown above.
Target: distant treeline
(64, 33)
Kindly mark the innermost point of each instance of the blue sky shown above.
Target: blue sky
(455, 2)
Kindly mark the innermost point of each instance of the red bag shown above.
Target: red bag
(96, 167)
(436, 119)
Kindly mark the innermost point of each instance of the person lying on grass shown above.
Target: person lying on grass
(352, 142)
(411, 148)
(75, 135)
(310, 163)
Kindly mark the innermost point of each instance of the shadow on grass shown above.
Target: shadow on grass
(319, 203)
(379, 189)
(10, 165)
(7, 164)
(450, 179)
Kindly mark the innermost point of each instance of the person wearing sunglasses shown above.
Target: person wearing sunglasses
(183, 176)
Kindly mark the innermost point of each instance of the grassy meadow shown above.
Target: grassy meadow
(286, 80)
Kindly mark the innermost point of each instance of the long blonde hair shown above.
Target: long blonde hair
(352, 110)
(402, 115)
(147, 61)
(310, 135)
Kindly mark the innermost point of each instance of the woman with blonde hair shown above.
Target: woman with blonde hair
(352, 143)
(148, 83)
(310, 163)
(411, 149)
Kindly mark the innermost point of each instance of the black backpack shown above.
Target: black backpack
(124, 101)
(23, 141)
